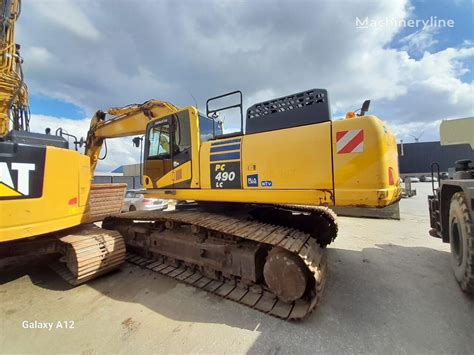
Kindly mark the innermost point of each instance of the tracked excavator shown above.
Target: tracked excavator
(47, 202)
(260, 215)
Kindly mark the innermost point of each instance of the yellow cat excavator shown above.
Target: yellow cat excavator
(260, 219)
(47, 203)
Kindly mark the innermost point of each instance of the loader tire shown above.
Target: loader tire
(461, 238)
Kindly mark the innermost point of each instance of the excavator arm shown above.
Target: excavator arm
(13, 91)
(125, 121)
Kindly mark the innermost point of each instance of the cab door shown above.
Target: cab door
(158, 161)
(181, 153)
(168, 153)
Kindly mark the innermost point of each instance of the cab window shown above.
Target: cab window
(182, 132)
(159, 142)
(206, 130)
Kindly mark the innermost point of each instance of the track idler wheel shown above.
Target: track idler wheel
(285, 274)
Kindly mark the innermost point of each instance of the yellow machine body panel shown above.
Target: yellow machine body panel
(52, 186)
(288, 158)
(365, 163)
(351, 162)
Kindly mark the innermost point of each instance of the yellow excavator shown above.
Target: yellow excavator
(255, 217)
(260, 215)
(47, 203)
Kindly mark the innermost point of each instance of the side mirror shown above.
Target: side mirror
(365, 107)
(136, 141)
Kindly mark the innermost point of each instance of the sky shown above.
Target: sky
(81, 56)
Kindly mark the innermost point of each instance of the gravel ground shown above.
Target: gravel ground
(389, 290)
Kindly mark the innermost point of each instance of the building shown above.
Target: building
(416, 158)
(120, 175)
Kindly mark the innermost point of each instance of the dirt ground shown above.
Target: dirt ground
(389, 290)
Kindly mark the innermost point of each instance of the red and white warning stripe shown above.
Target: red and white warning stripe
(350, 141)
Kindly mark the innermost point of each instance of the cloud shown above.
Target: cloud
(66, 15)
(412, 131)
(98, 54)
(421, 40)
(435, 92)
(37, 56)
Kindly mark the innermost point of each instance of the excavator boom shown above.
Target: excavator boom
(125, 121)
(13, 90)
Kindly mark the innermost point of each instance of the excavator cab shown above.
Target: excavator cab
(168, 145)
(171, 140)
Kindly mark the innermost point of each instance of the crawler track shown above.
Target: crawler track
(318, 221)
(88, 253)
(256, 295)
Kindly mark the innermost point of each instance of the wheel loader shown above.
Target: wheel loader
(451, 204)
